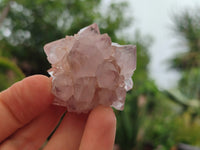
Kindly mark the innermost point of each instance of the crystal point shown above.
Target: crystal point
(89, 70)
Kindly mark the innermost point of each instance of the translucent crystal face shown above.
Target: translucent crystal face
(88, 70)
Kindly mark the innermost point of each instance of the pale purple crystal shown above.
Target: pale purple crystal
(89, 70)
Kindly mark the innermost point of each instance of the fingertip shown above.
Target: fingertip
(27, 98)
(38, 82)
(104, 113)
(39, 86)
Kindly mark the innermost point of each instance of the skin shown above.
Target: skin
(28, 118)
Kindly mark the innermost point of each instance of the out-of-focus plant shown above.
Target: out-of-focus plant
(9, 73)
(188, 63)
(169, 128)
(159, 126)
(174, 119)
(187, 129)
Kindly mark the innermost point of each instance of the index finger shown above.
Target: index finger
(22, 102)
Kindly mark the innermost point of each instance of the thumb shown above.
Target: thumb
(22, 102)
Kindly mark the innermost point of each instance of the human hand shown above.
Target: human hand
(28, 118)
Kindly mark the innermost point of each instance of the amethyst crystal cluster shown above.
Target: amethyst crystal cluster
(89, 70)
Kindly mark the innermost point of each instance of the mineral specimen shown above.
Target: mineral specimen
(89, 70)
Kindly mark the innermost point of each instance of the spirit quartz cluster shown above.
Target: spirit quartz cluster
(89, 70)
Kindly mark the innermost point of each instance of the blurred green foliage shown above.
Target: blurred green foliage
(9, 73)
(188, 63)
(188, 133)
